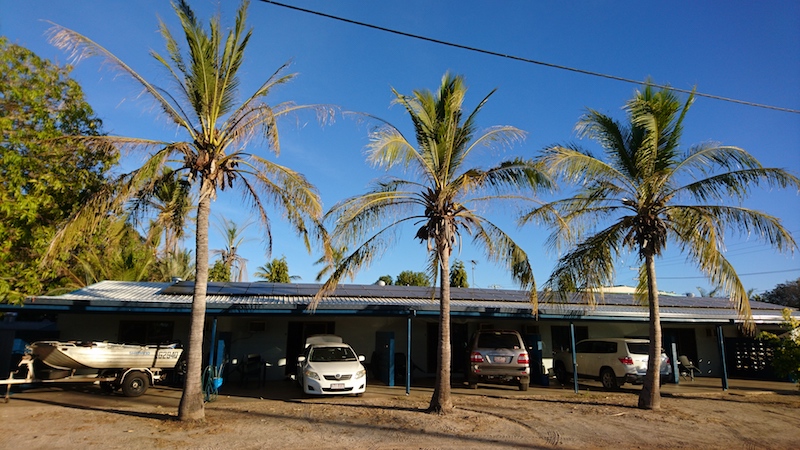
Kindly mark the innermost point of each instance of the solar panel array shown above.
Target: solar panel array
(377, 292)
(345, 290)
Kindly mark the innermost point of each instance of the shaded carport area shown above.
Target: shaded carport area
(241, 303)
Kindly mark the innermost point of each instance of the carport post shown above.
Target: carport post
(411, 314)
(675, 369)
(574, 357)
(721, 342)
(213, 342)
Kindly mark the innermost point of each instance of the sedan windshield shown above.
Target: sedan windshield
(332, 354)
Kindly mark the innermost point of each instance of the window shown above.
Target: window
(498, 340)
(560, 336)
(584, 347)
(638, 349)
(145, 332)
(605, 347)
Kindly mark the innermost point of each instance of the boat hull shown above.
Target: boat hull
(105, 355)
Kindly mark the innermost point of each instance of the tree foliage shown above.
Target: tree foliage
(786, 294)
(411, 278)
(219, 272)
(42, 179)
(786, 347)
(275, 271)
(233, 238)
(458, 275)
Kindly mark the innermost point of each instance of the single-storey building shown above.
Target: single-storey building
(270, 321)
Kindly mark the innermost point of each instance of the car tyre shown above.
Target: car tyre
(472, 382)
(524, 383)
(135, 384)
(608, 379)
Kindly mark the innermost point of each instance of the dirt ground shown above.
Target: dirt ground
(278, 416)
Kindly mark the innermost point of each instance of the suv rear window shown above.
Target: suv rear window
(498, 340)
(638, 348)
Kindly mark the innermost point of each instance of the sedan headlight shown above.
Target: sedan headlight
(311, 374)
(361, 373)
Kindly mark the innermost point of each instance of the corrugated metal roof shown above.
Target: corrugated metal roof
(276, 297)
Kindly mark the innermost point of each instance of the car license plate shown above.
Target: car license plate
(337, 385)
(501, 359)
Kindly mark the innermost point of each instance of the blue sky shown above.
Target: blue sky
(737, 49)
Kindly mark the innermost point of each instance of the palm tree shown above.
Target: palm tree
(178, 264)
(171, 198)
(647, 191)
(236, 263)
(442, 198)
(276, 271)
(204, 105)
(712, 292)
(330, 263)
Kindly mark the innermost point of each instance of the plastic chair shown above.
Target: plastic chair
(688, 367)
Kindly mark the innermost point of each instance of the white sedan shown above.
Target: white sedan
(331, 368)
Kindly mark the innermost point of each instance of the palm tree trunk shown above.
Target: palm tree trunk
(191, 406)
(441, 402)
(650, 397)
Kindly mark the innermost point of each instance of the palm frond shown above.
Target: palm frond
(500, 248)
(588, 267)
(574, 165)
(368, 251)
(388, 148)
(80, 46)
(738, 184)
(288, 190)
(110, 200)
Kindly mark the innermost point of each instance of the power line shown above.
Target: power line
(531, 61)
(740, 274)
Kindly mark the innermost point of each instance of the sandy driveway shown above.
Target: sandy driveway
(278, 416)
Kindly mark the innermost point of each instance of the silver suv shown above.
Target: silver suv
(498, 356)
(613, 361)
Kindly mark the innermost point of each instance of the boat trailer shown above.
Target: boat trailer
(132, 381)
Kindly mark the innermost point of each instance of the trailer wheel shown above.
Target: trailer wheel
(135, 384)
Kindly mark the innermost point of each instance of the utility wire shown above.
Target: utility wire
(533, 61)
(740, 274)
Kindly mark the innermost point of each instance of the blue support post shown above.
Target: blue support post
(721, 343)
(212, 350)
(411, 314)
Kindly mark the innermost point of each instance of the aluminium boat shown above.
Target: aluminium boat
(105, 355)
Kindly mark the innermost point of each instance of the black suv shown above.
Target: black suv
(498, 356)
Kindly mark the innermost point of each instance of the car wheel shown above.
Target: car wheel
(524, 383)
(608, 378)
(134, 384)
(561, 374)
(472, 382)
